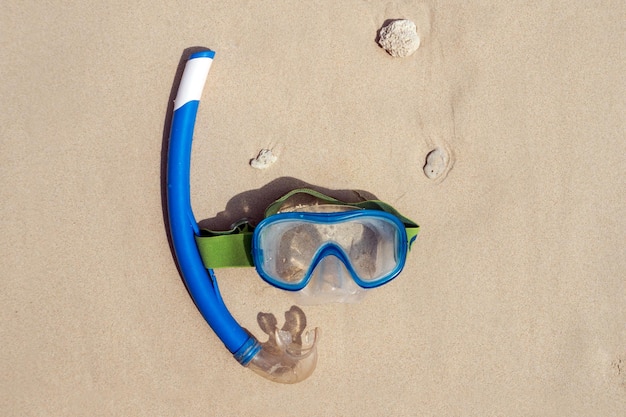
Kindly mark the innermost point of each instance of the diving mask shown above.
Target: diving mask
(325, 251)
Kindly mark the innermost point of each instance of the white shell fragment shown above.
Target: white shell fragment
(399, 38)
(436, 163)
(263, 160)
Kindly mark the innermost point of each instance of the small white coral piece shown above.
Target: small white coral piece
(436, 163)
(399, 38)
(263, 160)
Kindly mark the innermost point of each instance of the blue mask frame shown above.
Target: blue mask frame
(330, 248)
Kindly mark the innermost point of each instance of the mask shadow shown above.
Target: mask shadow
(250, 205)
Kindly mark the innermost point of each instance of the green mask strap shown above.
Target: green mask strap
(224, 249)
(233, 248)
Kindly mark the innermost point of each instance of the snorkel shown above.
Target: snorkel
(290, 354)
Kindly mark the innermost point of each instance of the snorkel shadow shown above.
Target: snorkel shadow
(251, 204)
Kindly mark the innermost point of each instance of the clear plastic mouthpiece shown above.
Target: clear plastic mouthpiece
(290, 353)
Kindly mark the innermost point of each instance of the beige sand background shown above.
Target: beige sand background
(513, 299)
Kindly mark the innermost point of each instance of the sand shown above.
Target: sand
(513, 300)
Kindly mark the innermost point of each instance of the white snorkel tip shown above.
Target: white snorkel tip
(194, 77)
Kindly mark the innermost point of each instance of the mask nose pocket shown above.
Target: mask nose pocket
(330, 282)
(330, 274)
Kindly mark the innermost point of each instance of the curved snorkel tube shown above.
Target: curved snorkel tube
(287, 356)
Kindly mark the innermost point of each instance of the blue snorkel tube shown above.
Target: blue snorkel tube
(279, 359)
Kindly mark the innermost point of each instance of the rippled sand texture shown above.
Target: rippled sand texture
(513, 298)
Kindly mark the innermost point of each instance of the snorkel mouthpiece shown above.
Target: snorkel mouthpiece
(290, 354)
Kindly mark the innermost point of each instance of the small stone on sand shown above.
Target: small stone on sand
(399, 38)
(436, 163)
(263, 160)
